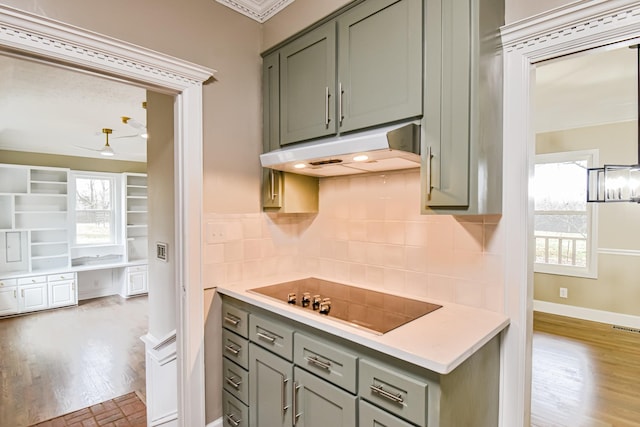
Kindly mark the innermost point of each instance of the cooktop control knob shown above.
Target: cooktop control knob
(325, 306)
(316, 302)
(306, 299)
(291, 298)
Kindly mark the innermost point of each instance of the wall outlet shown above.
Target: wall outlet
(564, 293)
(216, 232)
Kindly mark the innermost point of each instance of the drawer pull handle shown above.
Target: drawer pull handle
(319, 363)
(232, 383)
(231, 320)
(232, 349)
(266, 337)
(232, 420)
(395, 398)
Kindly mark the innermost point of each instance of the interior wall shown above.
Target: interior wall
(71, 162)
(615, 289)
(209, 34)
(515, 10)
(161, 205)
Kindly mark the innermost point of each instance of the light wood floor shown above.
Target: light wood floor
(585, 374)
(59, 361)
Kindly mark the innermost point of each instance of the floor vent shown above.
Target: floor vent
(624, 328)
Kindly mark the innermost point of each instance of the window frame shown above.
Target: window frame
(591, 269)
(116, 220)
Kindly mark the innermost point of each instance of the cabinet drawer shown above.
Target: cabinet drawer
(271, 335)
(8, 282)
(394, 391)
(136, 268)
(235, 380)
(372, 416)
(61, 276)
(32, 280)
(235, 319)
(234, 412)
(326, 360)
(235, 348)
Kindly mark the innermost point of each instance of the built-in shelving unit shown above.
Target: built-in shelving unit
(34, 218)
(136, 216)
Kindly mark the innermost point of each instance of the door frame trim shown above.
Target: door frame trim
(573, 28)
(42, 39)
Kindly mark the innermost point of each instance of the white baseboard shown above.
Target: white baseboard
(601, 316)
(216, 423)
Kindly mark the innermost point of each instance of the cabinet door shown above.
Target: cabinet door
(307, 86)
(319, 404)
(270, 385)
(8, 300)
(136, 281)
(33, 297)
(62, 293)
(446, 137)
(372, 416)
(271, 102)
(379, 63)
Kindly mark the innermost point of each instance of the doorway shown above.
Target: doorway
(578, 27)
(67, 46)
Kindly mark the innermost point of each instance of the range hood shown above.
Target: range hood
(383, 149)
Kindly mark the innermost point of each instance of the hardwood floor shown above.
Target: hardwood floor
(585, 374)
(55, 362)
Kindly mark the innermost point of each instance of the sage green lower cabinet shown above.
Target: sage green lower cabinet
(320, 404)
(235, 413)
(270, 387)
(299, 376)
(372, 416)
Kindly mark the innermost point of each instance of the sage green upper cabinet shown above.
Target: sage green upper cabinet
(359, 68)
(271, 102)
(462, 125)
(307, 86)
(379, 63)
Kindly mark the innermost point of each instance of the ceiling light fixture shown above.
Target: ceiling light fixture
(617, 183)
(107, 150)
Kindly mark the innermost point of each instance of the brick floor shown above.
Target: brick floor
(123, 411)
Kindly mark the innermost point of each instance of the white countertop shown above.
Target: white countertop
(439, 341)
(73, 269)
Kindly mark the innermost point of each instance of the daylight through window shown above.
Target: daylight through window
(562, 223)
(94, 210)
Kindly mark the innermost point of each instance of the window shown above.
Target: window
(564, 224)
(95, 219)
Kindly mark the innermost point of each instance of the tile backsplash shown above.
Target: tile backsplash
(369, 231)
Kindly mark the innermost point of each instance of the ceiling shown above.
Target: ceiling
(49, 109)
(586, 89)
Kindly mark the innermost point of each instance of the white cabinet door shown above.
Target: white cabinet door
(33, 297)
(62, 293)
(8, 300)
(137, 280)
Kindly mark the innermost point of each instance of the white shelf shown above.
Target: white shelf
(37, 258)
(49, 243)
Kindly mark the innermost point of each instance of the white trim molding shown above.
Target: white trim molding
(161, 360)
(43, 39)
(216, 423)
(593, 315)
(618, 252)
(576, 27)
(259, 10)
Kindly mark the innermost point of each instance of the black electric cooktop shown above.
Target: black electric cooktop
(375, 311)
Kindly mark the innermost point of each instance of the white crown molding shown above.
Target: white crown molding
(575, 21)
(53, 39)
(260, 10)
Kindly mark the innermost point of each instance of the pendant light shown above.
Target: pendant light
(107, 150)
(617, 183)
